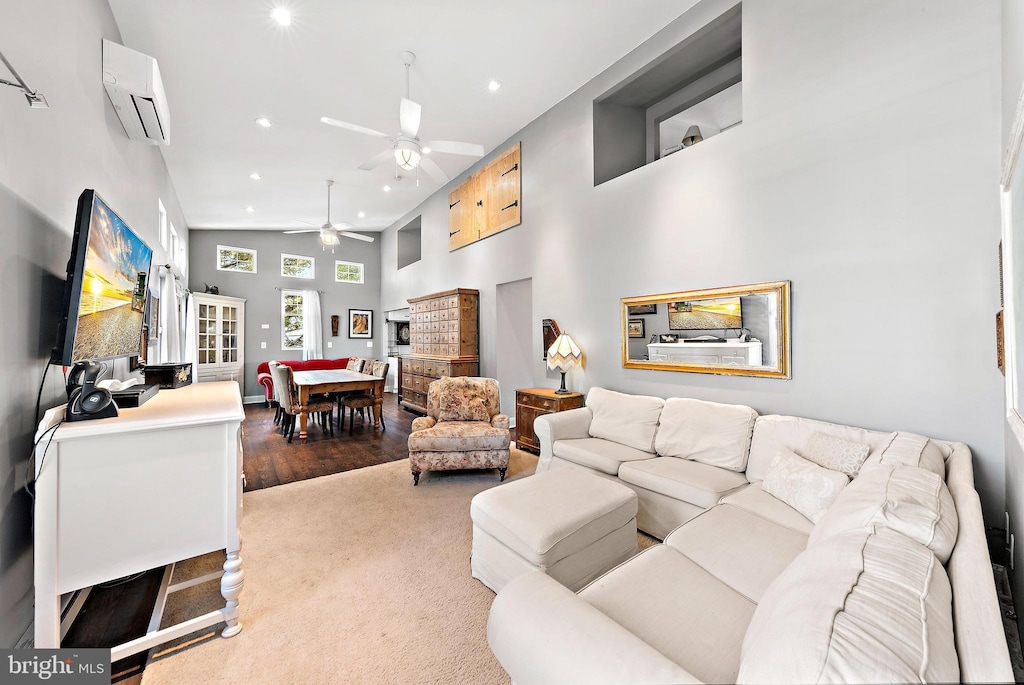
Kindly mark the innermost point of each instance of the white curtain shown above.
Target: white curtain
(191, 339)
(312, 326)
(170, 336)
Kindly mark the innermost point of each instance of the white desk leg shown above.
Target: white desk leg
(230, 588)
(47, 609)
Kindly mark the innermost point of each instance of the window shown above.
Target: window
(172, 244)
(292, 308)
(162, 222)
(348, 272)
(236, 259)
(297, 266)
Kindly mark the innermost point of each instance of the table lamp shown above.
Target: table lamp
(564, 354)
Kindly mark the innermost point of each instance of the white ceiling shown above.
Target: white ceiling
(227, 62)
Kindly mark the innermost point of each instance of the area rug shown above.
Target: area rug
(357, 577)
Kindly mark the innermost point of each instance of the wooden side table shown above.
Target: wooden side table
(534, 402)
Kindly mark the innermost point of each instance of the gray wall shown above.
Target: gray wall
(263, 302)
(865, 172)
(47, 157)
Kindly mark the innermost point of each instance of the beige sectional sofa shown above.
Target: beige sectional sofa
(891, 581)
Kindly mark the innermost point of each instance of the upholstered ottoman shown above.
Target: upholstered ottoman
(570, 524)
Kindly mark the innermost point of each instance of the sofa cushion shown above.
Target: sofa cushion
(836, 454)
(678, 608)
(803, 485)
(551, 515)
(740, 548)
(467, 399)
(906, 499)
(595, 453)
(708, 432)
(459, 436)
(910, 449)
(755, 500)
(630, 420)
(689, 481)
(773, 432)
(836, 615)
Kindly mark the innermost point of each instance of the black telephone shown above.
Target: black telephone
(85, 400)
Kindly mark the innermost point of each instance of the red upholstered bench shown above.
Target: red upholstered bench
(263, 371)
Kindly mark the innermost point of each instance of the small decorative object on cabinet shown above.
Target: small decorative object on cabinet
(550, 332)
(487, 202)
(221, 331)
(443, 342)
(564, 355)
(534, 402)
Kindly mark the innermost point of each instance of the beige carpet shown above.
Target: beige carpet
(353, 578)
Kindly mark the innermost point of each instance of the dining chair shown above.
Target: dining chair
(361, 401)
(289, 402)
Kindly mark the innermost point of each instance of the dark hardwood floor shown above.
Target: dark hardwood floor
(269, 460)
(120, 613)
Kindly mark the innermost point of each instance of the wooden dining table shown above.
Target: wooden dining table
(311, 383)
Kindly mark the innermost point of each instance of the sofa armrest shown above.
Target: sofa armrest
(541, 632)
(564, 425)
(499, 421)
(267, 381)
(422, 423)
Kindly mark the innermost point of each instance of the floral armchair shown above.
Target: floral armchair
(463, 428)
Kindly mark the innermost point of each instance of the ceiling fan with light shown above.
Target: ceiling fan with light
(330, 232)
(408, 150)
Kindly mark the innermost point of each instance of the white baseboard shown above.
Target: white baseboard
(254, 399)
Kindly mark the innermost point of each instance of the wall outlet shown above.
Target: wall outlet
(263, 345)
(265, 326)
(369, 343)
(330, 344)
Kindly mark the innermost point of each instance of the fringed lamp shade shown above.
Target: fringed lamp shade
(564, 354)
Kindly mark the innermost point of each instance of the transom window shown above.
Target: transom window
(348, 272)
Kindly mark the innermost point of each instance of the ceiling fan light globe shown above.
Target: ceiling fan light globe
(407, 158)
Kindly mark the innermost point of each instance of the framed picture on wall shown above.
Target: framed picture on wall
(360, 323)
(639, 309)
(635, 327)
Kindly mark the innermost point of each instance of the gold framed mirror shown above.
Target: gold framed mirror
(741, 330)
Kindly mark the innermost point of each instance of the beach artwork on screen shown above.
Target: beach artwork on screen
(720, 313)
(113, 301)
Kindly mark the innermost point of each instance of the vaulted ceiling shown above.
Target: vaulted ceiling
(226, 63)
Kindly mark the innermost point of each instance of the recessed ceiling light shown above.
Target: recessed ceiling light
(264, 122)
(362, 215)
(255, 176)
(386, 189)
(250, 209)
(282, 16)
(426, 150)
(493, 86)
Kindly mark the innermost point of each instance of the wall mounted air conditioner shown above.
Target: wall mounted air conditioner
(132, 81)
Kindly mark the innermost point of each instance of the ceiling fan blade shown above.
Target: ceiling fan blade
(377, 160)
(305, 230)
(455, 148)
(343, 225)
(352, 127)
(357, 236)
(435, 172)
(300, 221)
(409, 117)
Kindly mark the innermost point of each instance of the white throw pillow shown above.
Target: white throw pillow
(909, 500)
(868, 606)
(803, 485)
(630, 420)
(835, 453)
(910, 449)
(708, 432)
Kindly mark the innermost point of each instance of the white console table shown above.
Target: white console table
(716, 353)
(151, 487)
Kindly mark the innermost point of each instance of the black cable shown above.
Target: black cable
(42, 459)
(39, 395)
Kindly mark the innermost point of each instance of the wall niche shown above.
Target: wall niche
(688, 94)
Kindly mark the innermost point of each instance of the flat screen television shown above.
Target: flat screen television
(105, 292)
(721, 313)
